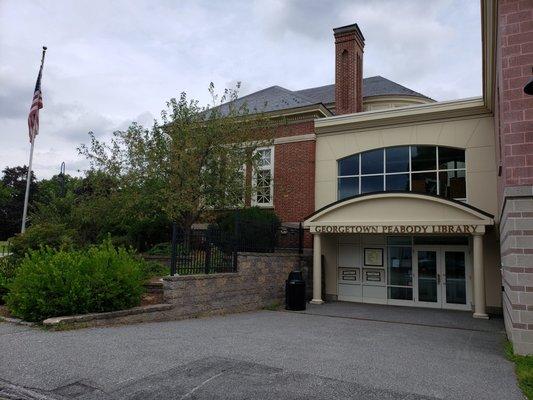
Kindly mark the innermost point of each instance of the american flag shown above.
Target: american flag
(36, 105)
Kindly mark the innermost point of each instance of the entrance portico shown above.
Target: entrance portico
(402, 248)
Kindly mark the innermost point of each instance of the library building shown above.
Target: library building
(407, 200)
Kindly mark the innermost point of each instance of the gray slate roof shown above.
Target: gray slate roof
(273, 98)
(373, 86)
(277, 98)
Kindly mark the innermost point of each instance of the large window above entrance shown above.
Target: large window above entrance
(424, 169)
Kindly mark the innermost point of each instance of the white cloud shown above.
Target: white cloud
(110, 63)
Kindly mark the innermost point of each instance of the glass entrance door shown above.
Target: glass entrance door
(441, 277)
(428, 278)
(455, 291)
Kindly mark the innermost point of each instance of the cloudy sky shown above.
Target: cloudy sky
(110, 62)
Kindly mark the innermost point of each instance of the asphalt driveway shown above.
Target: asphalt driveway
(260, 355)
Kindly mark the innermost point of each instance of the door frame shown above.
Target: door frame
(441, 276)
(468, 275)
(436, 249)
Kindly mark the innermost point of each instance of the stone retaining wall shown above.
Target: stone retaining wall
(259, 282)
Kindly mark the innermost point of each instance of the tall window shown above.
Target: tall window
(263, 178)
(422, 169)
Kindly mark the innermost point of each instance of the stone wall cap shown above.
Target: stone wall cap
(280, 254)
(175, 278)
(107, 315)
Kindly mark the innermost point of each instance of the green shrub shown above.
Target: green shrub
(152, 269)
(165, 249)
(8, 267)
(254, 227)
(53, 235)
(65, 282)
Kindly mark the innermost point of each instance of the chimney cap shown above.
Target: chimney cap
(348, 29)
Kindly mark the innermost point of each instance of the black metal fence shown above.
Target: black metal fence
(214, 250)
(201, 252)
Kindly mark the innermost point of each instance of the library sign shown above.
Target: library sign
(399, 229)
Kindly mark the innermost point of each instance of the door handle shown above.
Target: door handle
(438, 279)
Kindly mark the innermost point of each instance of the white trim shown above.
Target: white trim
(399, 115)
(478, 218)
(297, 138)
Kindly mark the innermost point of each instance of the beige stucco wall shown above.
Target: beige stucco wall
(474, 134)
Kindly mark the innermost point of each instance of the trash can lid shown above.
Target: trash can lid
(295, 276)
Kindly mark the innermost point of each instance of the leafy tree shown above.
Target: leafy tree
(186, 166)
(57, 186)
(12, 191)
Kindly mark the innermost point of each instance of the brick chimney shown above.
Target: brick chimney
(349, 44)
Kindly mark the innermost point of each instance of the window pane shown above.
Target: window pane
(264, 157)
(399, 293)
(449, 240)
(454, 262)
(263, 180)
(400, 266)
(452, 184)
(397, 182)
(423, 158)
(372, 162)
(450, 158)
(348, 187)
(425, 182)
(396, 240)
(371, 184)
(349, 166)
(397, 159)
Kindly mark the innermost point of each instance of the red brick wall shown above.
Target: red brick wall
(294, 180)
(293, 129)
(294, 175)
(348, 73)
(515, 108)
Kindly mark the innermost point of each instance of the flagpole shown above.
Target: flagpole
(27, 195)
(28, 177)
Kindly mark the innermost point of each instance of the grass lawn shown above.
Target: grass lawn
(523, 369)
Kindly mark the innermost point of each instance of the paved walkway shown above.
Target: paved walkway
(408, 315)
(260, 355)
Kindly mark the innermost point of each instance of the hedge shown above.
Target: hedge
(52, 282)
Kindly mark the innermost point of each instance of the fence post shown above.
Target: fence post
(174, 253)
(300, 239)
(237, 233)
(207, 261)
(274, 236)
(236, 241)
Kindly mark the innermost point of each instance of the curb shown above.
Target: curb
(16, 321)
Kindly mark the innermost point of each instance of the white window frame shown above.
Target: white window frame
(264, 168)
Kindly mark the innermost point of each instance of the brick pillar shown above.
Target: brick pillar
(514, 130)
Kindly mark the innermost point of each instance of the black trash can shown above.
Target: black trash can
(295, 292)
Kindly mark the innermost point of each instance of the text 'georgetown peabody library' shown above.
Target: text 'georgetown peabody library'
(405, 229)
